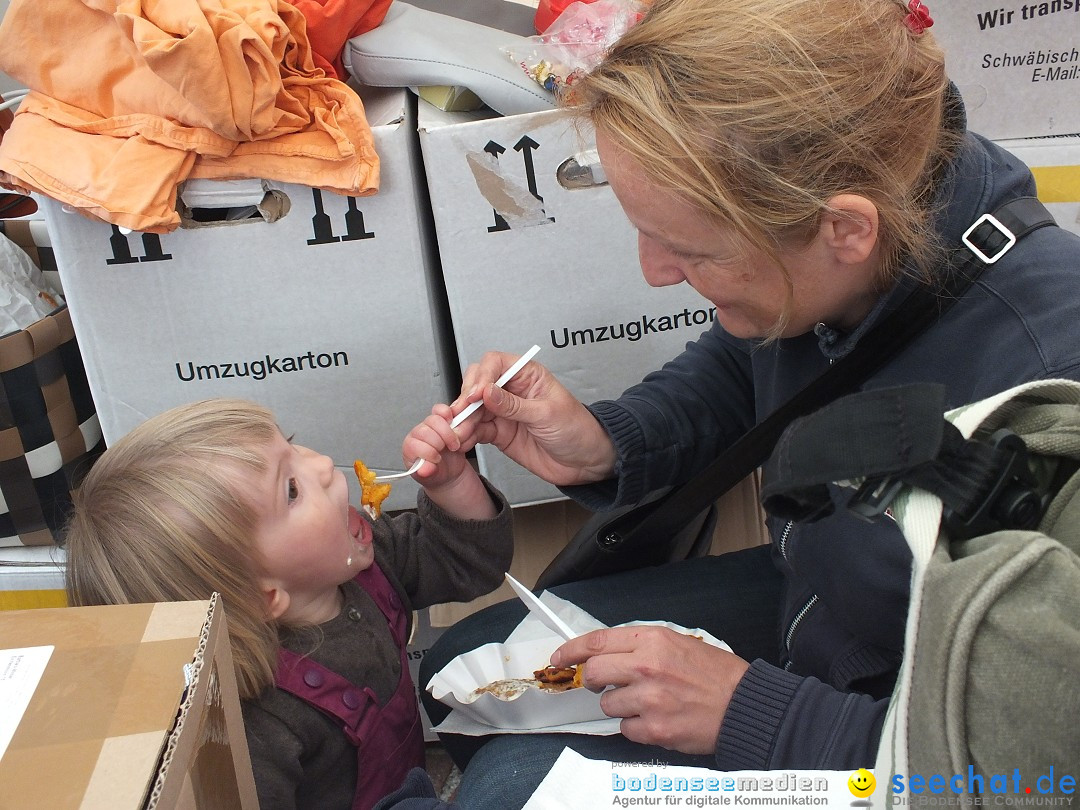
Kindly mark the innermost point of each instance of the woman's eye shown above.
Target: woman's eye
(679, 254)
(294, 490)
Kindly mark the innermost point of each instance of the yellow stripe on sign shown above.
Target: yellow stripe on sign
(25, 600)
(1057, 184)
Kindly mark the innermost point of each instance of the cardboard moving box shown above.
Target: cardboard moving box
(1016, 63)
(327, 309)
(31, 577)
(136, 708)
(1055, 162)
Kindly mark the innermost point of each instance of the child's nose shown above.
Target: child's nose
(321, 465)
(326, 468)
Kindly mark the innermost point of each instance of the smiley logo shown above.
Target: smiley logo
(861, 783)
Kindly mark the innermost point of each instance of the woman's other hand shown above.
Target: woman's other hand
(537, 422)
(670, 689)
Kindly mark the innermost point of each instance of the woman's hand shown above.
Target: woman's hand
(537, 422)
(670, 689)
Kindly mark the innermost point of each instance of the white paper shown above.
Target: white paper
(531, 631)
(20, 672)
(575, 781)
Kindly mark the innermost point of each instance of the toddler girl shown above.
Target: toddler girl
(211, 497)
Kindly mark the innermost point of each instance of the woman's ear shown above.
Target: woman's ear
(850, 228)
(277, 598)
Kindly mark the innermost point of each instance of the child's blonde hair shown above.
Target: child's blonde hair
(162, 516)
(758, 112)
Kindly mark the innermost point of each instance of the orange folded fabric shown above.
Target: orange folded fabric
(131, 98)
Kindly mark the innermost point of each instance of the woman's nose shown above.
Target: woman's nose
(659, 267)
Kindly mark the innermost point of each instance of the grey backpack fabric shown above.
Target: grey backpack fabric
(988, 498)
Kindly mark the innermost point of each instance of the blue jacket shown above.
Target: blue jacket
(845, 580)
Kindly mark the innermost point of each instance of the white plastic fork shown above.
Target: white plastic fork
(469, 410)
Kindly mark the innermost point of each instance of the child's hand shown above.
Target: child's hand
(441, 446)
(447, 477)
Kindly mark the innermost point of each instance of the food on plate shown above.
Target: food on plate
(549, 679)
(372, 494)
(558, 679)
(506, 689)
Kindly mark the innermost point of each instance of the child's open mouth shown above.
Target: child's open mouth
(358, 527)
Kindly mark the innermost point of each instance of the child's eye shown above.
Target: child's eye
(294, 490)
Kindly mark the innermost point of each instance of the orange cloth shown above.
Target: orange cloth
(132, 97)
(331, 22)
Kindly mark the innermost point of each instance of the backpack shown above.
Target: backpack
(986, 708)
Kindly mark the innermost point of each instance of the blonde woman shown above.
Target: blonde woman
(211, 497)
(803, 165)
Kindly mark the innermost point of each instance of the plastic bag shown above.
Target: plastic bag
(576, 42)
(25, 295)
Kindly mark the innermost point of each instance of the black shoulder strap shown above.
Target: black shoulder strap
(989, 238)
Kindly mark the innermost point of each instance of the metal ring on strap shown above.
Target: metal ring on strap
(998, 230)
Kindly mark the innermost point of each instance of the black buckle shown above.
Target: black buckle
(874, 496)
(1012, 502)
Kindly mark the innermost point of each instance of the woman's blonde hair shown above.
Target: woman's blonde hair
(162, 516)
(758, 112)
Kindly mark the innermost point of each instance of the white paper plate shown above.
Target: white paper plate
(528, 648)
(457, 682)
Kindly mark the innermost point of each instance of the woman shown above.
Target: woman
(803, 165)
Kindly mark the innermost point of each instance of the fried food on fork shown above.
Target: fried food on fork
(372, 494)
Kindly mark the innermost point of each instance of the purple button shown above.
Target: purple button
(351, 698)
(313, 678)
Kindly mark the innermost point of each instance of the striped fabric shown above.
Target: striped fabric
(49, 432)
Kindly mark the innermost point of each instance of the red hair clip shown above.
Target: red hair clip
(918, 18)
